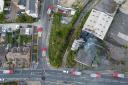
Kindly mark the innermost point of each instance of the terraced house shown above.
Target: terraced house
(30, 7)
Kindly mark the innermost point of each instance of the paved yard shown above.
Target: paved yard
(117, 38)
(118, 30)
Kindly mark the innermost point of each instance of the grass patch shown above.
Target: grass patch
(14, 38)
(25, 19)
(2, 17)
(71, 55)
(9, 83)
(59, 38)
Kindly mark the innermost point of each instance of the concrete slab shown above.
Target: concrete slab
(122, 36)
(33, 83)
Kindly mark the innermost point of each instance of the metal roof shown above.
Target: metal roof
(32, 7)
(98, 23)
(22, 2)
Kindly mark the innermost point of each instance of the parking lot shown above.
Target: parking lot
(117, 40)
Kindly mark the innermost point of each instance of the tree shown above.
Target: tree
(2, 17)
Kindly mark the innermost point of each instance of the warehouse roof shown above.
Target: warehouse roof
(98, 23)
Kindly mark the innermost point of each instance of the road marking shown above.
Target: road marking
(123, 82)
(123, 36)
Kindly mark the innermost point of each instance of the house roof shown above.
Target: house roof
(98, 23)
(32, 7)
(2, 54)
(22, 2)
(107, 6)
(67, 3)
(1, 5)
(90, 49)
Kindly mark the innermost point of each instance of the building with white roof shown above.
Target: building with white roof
(98, 23)
(1, 5)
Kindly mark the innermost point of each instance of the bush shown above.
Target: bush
(59, 39)
(25, 19)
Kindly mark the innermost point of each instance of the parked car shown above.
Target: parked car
(65, 71)
(1, 72)
(118, 75)
(75, 72)
(7, 71)
(40, 29)
(44, 51)
(2, 79)
(95, 75)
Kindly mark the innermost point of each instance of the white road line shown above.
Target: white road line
(123, 36)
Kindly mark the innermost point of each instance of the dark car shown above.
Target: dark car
(43, 78)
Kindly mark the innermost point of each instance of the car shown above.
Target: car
(95, 75)
(75, 72)
(2, 79)
(1, 72)
(65, 71)
(39, 29)
(118, 75)
(8, 72)
(44, 51)
(50, 9)
(43, 78)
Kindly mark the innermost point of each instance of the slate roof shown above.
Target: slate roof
(32, 6)
(22, 2)
(91, 48)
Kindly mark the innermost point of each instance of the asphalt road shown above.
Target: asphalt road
(84, 79)
(45, 23)
(57, 77)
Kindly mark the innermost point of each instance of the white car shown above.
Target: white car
(65, 71)
(1, 79)
(76, 73)
(95, 75)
